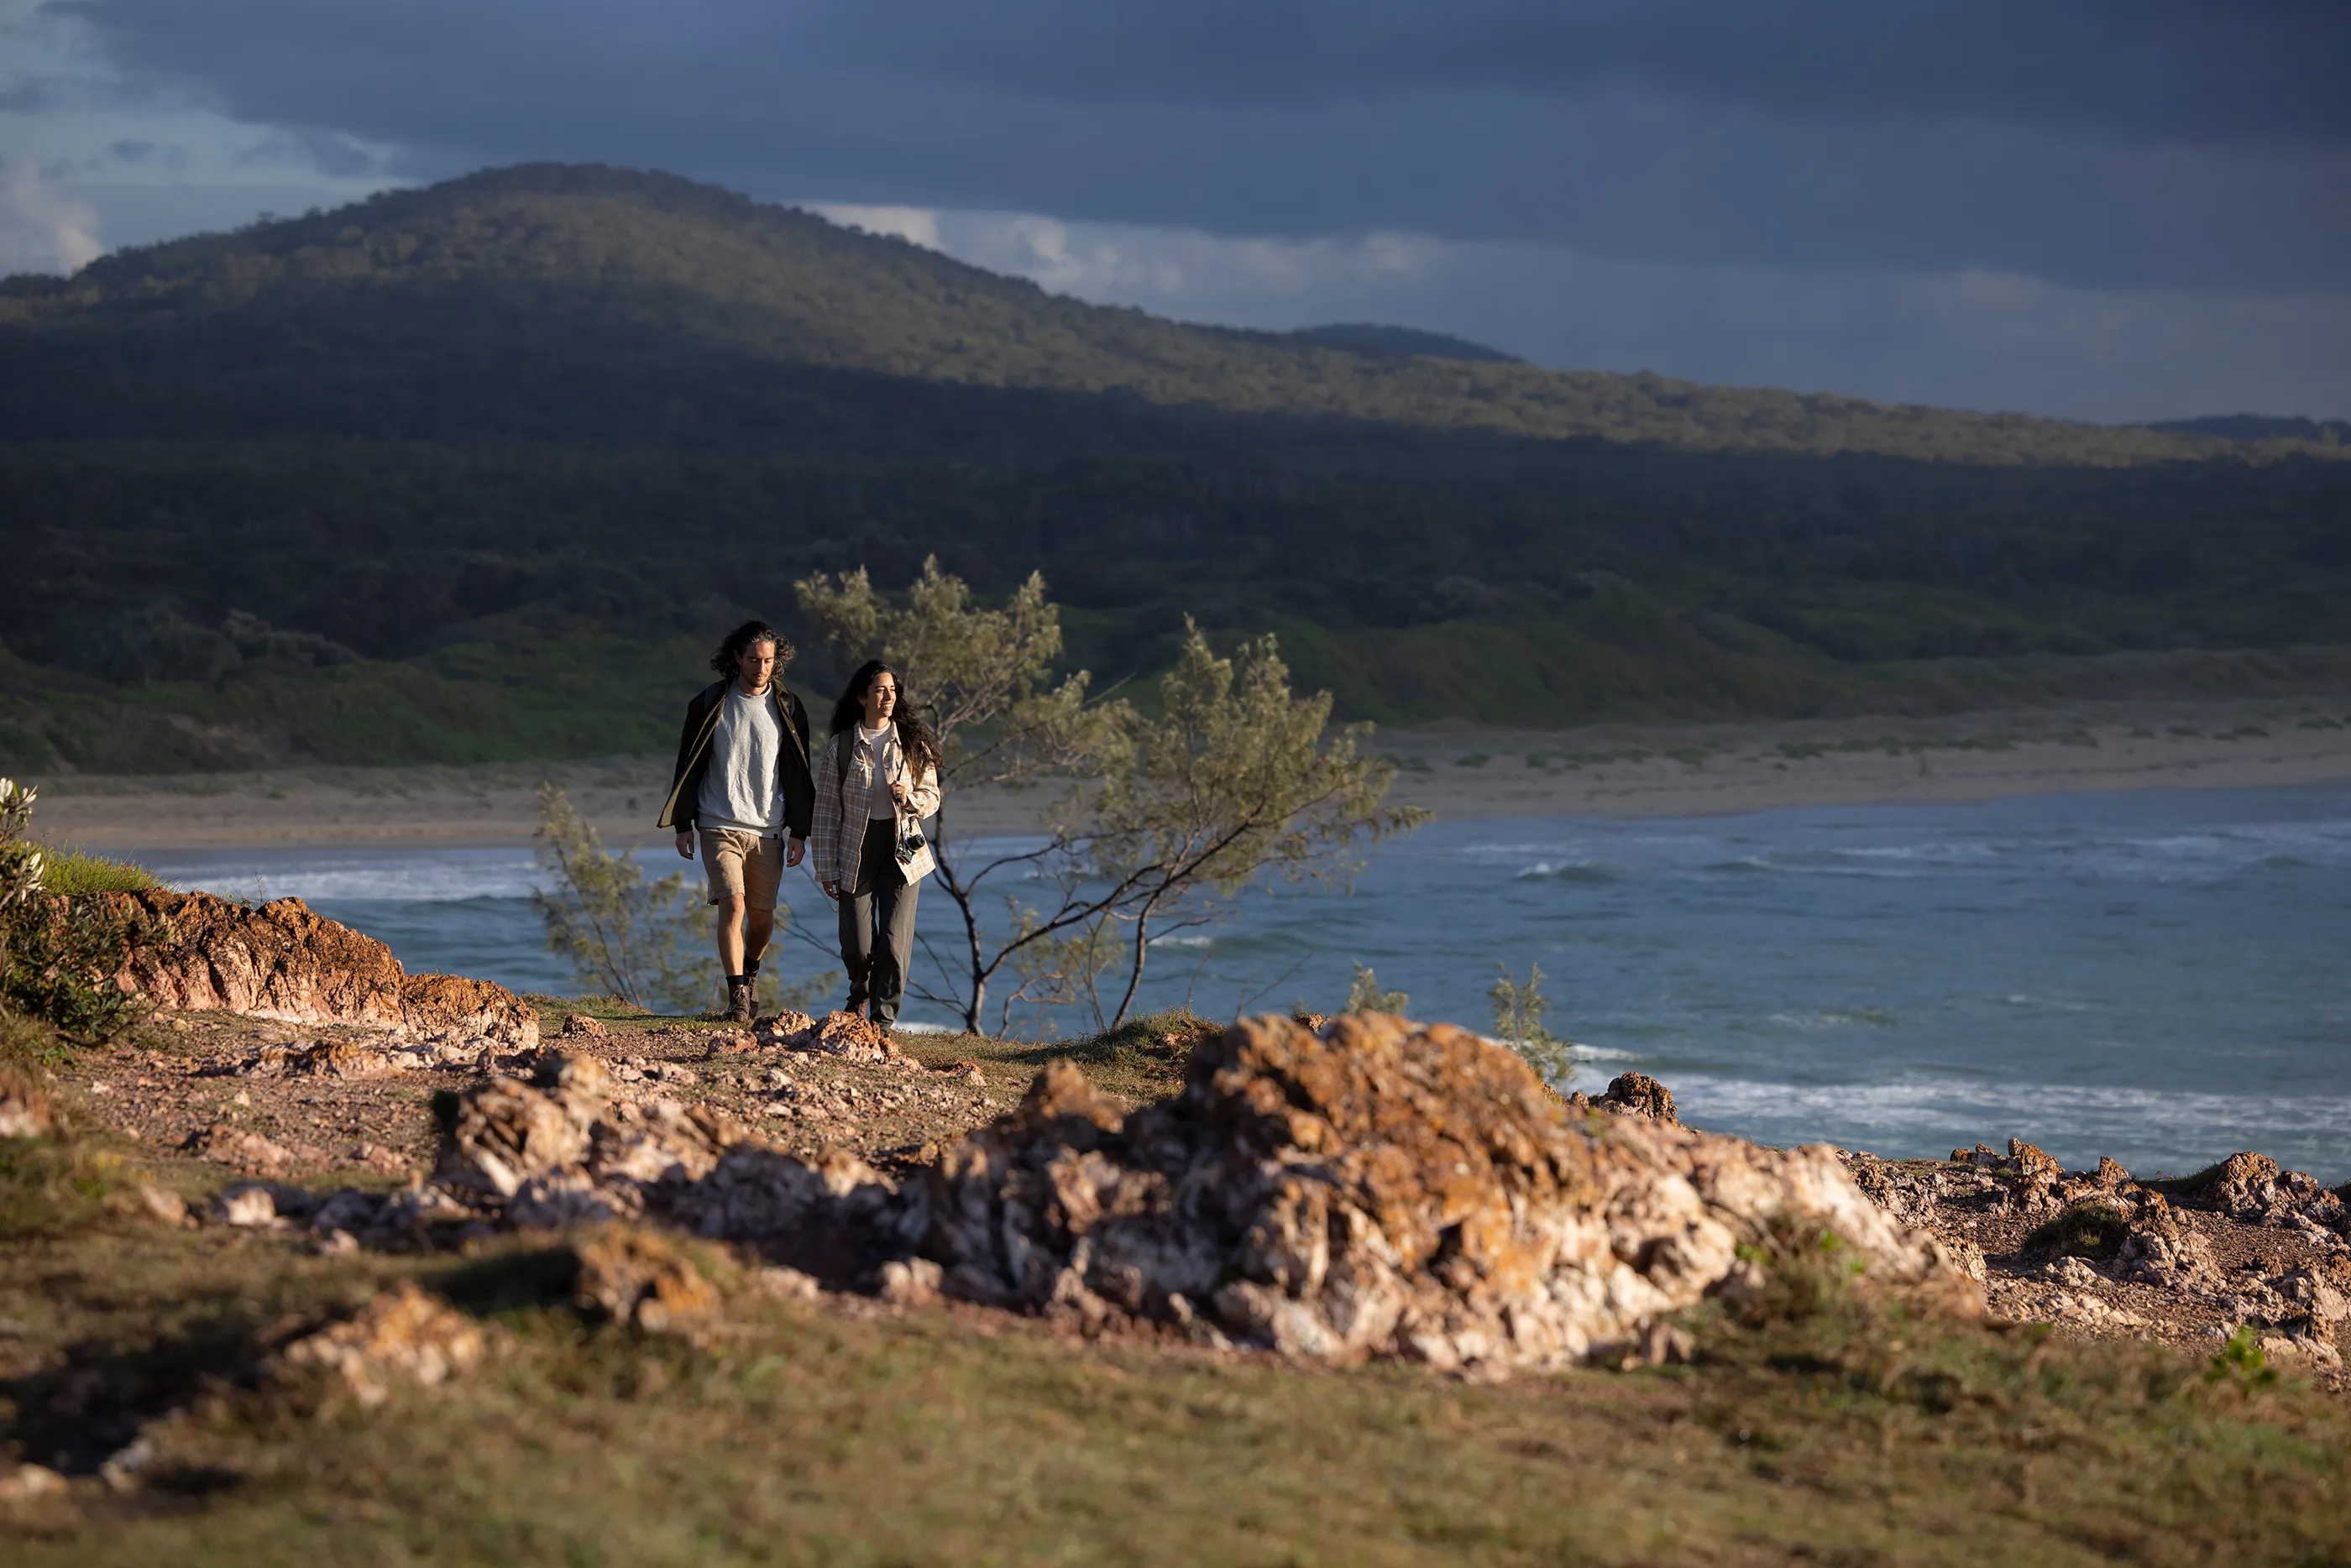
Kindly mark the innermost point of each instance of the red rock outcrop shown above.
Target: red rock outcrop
(280, 961)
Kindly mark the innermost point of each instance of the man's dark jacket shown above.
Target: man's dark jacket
(683, 809)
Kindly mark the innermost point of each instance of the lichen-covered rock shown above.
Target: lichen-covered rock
(2161, 1251)
(847, 1035)
(2032, 1161)
(1378, 1188)
(2249, 1187)
(2244, 1188)
(640, 1278)
(280, 961)
(402, 1335)
(1639, 1095)
(779, 1028)
(343, 1059)
(506, 1132)
(664, 1142)
(2322, 1291)
(554, 1152)
(452, 1004)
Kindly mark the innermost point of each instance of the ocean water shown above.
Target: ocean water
(2160, 976)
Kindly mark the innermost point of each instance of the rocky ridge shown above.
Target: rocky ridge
(2243, 1245)
(1372, 1188)
(1331, 1189)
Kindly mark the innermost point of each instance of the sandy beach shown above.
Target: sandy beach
(1459, 771)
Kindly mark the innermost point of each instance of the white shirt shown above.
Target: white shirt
(881, 745)
(739, 790)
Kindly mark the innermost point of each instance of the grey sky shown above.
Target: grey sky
(2105, 209)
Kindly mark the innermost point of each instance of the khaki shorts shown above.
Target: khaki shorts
(742, 866)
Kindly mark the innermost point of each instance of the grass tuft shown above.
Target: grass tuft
(1142, 1059)
(71, 874)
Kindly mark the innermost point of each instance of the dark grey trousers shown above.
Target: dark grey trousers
(877, 926)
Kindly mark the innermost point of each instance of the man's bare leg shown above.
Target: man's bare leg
(758, 926)
(730, 934)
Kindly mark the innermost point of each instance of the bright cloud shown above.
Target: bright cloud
(42, 229)
(916, 225)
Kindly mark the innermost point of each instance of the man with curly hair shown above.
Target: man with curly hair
(743, 790)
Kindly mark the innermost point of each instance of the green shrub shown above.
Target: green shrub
(2090, 1229)
(59, 949)
(2241, 1362)
(58, 958)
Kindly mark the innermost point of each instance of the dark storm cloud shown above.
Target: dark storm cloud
(2126, 69)
(2100, 143)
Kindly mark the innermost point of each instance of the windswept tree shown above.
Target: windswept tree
(1518, 1009)
(619, 930)
(1153, 821)
(1365, 995)
(1238, 778)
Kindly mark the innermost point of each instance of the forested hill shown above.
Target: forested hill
(1369, 338)
(2261, 427)
(608, 252)
(481, 471)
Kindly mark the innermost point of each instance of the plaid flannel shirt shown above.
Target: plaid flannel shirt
(844, 803)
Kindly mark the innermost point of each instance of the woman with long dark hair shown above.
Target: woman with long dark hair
(876, 779)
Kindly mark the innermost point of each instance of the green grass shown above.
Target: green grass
(1142, 1059)
(71, 873)
(1823, 1432)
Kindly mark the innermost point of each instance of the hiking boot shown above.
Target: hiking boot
(739, 1007)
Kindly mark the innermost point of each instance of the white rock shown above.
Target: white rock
(247, 1206)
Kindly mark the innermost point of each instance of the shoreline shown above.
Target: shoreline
(1458, 771)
